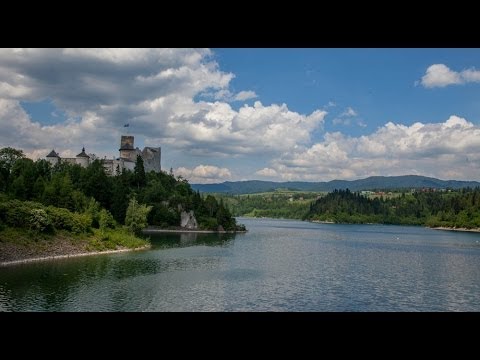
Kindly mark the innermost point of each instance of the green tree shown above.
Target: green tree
(38, 188)
(139, 172)
(58, 192)
(211, 205)
(105, 220)
(18, 188)
(96, 183)
(136, 217)
(8, 157)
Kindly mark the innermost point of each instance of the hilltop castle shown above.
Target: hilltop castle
(128, 155)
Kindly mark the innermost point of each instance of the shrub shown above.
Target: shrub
(208, 223)
(136, 217)
(17, 213)
(66, 220)
(40, 221)
(105, 220)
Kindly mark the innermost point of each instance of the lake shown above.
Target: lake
(279, 265)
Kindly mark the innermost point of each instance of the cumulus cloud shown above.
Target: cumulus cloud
(228, 96)
(245, 95)
(440, 75)
(435, 149)
(154, 90)
(267, 172)
(204, 174)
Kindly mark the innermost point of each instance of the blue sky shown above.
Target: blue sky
(236, 114)
(378, 83)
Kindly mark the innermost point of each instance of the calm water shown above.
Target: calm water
(279, 265)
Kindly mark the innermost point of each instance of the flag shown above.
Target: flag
(126, 125)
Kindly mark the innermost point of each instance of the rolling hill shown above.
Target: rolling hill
(370, 183)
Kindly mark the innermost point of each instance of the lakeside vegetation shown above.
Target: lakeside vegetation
(280, 203)
(41, 202)
(447, 208)
(450, 209)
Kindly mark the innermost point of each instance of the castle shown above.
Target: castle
(128, 155)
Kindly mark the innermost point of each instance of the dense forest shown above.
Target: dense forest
(277, 204)
(37, 195)
(453, 208)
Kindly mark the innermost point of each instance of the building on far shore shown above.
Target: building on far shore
(128, 155)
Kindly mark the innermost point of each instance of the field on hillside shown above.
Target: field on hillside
(281, 203)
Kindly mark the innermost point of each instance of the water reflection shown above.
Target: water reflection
(46, 285)
(171, 240)
(55, 284)
(276, 266)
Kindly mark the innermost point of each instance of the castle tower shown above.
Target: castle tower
(83, 159)
(127, 151)
(53, 158)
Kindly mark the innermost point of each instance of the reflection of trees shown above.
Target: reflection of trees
(47, 286)
(53, 285)
(185, 239)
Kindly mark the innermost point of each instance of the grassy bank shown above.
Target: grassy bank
(20, 244)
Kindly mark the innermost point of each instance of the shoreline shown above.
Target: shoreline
(476, 230)
(66, 256)
(147, 231)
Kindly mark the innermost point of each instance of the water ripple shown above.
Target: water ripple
(279, 265)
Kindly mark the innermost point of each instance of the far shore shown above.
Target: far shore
(55, 257)
(477, 230)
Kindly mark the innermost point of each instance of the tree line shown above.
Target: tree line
(453, 208)
(160, 197)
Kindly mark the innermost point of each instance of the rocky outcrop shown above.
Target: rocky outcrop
(188, 220)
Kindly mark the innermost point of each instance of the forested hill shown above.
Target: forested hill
(370, 183)
(75, 188)
(460, 209)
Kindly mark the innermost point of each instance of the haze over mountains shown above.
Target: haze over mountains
(370, 183)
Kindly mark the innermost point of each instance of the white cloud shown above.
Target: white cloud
(435, 149)
(204, 174)
(349, 112)
(471, 75)
(440, 75)
(223, 94)
(226, 95)
(267, 172)
(245, 95)
(154, 90)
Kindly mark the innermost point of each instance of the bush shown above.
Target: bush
(81, 223)
(106, 220)
(136, 217)
(208, 223)
(17, 213)
(66, 220)
(40, 221)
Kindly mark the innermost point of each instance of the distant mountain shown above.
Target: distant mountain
(370, 183)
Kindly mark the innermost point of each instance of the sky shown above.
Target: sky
(243, 114)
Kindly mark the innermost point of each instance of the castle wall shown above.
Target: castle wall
(128, 155)
(152, 159)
